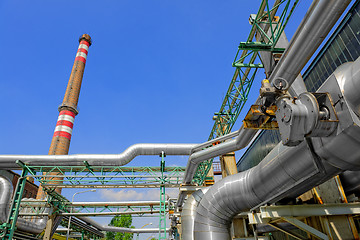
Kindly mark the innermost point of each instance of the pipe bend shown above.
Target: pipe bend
(188, 214)
(6, 190)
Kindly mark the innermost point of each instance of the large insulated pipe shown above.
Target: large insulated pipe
(319, 20)
(351, 182)
(68, 109)
(287, 171)
(28, 224)
(31, 224)
(267, 182)
(6, 190)
(9, 161)
(317, 23)
(188, 214)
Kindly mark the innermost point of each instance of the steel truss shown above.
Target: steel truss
(107, 177)
(90, 176)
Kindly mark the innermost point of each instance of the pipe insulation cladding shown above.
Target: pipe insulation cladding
(27, 223)
(6, 190)
(9, 161)
(319, 20)
(188, 213)
(288, 171)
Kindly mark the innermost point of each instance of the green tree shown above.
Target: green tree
(120, 221)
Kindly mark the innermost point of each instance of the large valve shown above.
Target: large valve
(309, 115)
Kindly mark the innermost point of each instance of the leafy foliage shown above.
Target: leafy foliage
(120, 221)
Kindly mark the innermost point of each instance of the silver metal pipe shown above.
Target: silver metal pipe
(277, 174)
(286, 171)
(319, 20)
(27, 224)
(188, 214)
(132, 230)
(218, 139)
(244, 137)
(116, 204)
(352, 85)
(6, 190)
(9, 161)
(119, 229)
(32, 224)
(93, 214)
(351, 182)
(241, 141)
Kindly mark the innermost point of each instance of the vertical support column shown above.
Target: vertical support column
(228, 164)
(48, 228)
(162, 218)
(341, 227)
(209, 179)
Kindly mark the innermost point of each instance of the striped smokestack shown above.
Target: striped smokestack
(68, 109)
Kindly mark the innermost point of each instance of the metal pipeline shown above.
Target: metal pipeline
(243, 138)
(319, 20)
(6, 190)
(188, 214)
(241, 141)
(117, 204)
(9, 161)
(287, 171)
(32, 224)
(351, 182)
(119, 229)
(27, 223)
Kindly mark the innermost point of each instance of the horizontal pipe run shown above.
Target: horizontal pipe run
(46, 176)
(42, 203)
(112, 185)
(309, 210)
(115, 204)
(119, 229)
(88, 214)
(34, 214)
(9, 162)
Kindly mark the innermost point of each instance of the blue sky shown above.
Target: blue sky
(156, 72)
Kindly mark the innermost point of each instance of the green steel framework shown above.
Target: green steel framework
(89, 210)
(247, 63)
(75, 176)
(162, 218)
(106, 177)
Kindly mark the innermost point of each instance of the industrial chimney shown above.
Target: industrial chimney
(68, 109)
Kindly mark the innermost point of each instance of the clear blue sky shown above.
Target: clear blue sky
(156, 72)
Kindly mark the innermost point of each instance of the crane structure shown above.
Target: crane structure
(253, 204)
(247, 63)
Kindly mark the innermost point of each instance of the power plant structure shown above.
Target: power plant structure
(298, 178)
